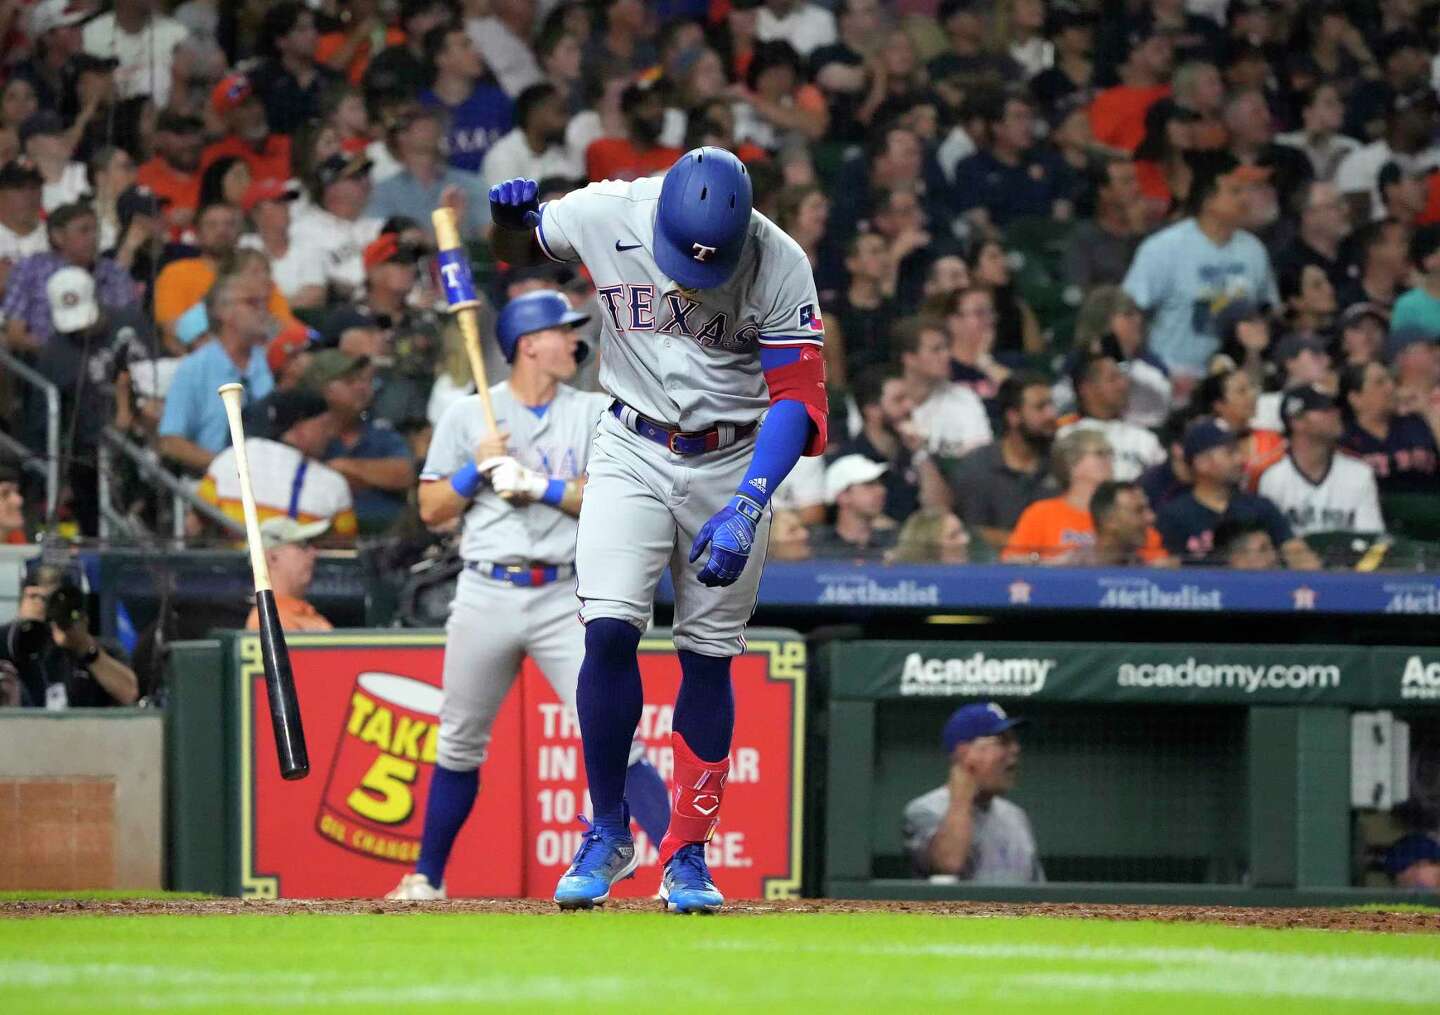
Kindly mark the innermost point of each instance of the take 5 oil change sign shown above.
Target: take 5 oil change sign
(371, 710)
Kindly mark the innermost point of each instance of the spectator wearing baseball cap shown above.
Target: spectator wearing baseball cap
(1414, 861)
(1317, 489)
(285, 434)
(1117, 116)
(54, 28)
(290, 354)
(967, 829)
(1204, 261)
(44, 141)
(1188, 522)
(372, 457)
(22, 229)
(861, 531)
(75, 238)
(299, 271)
(335, 227)
(290, 553)
(247, 132)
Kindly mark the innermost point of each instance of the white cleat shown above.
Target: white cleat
(416, 888)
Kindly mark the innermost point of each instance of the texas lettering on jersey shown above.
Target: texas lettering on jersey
(634, 308)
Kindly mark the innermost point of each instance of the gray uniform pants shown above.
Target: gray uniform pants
(642, 509)
(493, 625)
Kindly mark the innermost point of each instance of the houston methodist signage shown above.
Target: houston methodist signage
(371, 705)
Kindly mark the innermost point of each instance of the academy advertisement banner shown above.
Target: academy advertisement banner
(1118, 673)
(370, 704)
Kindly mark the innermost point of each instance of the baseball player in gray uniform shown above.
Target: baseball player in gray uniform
(518, 493)
(709, 325)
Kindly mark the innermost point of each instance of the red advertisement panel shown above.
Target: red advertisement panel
(370, 705)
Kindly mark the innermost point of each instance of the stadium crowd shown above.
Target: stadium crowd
(1130, 282)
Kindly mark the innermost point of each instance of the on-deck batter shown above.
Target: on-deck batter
(710, 323)
(519, 492)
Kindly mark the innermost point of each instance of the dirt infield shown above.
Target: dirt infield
(1232, 916)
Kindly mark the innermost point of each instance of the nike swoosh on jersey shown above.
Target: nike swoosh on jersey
(628, 246)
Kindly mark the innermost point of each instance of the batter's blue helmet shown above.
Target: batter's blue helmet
(536, 311)
(703, 218)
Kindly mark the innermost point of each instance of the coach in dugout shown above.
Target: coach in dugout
(966, 828)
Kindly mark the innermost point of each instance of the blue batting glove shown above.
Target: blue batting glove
(730, 534)
(514, 204)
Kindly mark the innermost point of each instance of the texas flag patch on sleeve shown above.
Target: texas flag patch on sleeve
(810, 318)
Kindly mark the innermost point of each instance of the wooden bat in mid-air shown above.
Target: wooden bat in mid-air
(279, 681)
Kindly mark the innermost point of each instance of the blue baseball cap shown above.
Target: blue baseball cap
(1410, 850)
(970, 722)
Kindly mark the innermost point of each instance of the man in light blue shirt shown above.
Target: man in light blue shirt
(417, 189)
(1186, 274)
(194, 428)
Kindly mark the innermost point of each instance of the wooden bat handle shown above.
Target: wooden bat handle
(231, 394)
(460, 295)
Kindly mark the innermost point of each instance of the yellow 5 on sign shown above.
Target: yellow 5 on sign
(390, 778)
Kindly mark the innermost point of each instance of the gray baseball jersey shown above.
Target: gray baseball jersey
(686, 358)
(1002, 846)
(494, 624)
(689, 359)
(555, 443)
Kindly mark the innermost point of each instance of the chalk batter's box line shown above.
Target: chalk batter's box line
(787, 663)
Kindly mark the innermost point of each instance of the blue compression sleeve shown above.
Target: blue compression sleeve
(782, 440)
(466, 480)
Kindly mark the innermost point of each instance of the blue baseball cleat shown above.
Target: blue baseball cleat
(686, 886)
(600, 861)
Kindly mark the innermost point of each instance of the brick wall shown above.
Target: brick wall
(57, 833)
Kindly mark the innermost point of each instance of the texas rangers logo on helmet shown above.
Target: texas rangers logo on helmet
(702, 252)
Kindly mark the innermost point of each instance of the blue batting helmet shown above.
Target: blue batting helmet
(536, 311)
(703, 218)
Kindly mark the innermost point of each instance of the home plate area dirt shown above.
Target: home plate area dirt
(1232, 916)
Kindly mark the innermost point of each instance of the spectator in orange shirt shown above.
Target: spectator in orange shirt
(184, 283)
(1117, 116)
(777, 102)
(639, 153)
(174, 173)
(291, 556)
(248, 132)
(365, 34)
(1052, 530)
(1060, 530)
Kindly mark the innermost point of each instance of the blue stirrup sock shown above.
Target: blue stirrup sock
(452, 795)
(705, 706)
(609, 700)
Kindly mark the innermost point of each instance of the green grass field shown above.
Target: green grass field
(629, 961)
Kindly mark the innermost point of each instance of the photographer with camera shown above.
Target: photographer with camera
(49, 658)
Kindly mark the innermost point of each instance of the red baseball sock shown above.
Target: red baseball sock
(695, 805)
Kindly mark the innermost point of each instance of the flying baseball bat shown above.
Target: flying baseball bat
(459, 288)
(279, 681)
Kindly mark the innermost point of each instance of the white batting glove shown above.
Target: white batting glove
(517, 484)
(489, 465)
